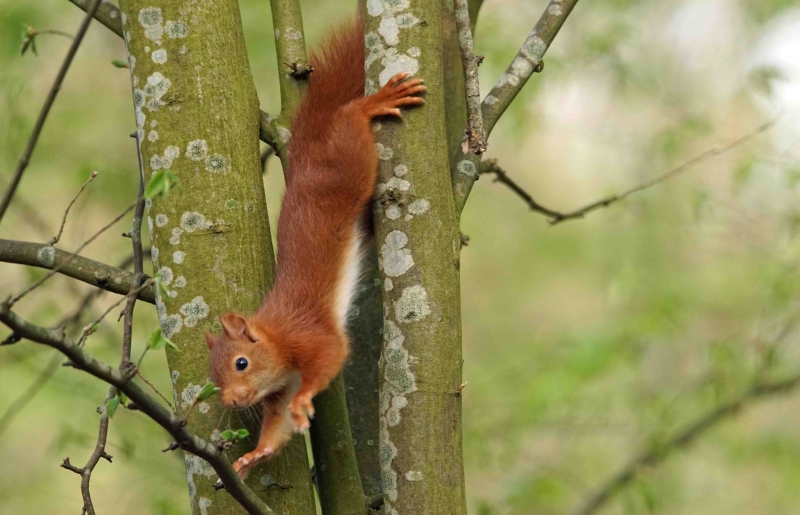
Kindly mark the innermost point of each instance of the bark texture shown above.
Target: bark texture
(416, 231)
(198, 118)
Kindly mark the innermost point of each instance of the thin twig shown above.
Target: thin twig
(99, 452)
(154, 389)
(475, 137)
(100, 275)
(657, 454)
(53, 31)
(490, 166)
(51, 97)
(46, 374)
(55, 270)
(144, 402)
(91, 328)
(127, 332)
(57, 237)
(138, 260)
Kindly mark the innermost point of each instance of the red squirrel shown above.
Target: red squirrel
(291, 348)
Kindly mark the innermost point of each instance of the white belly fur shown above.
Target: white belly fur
(348, 279)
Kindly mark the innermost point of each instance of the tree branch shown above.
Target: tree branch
(48, 103)
(527, 61)
(475, 137)
(108, 14)
(490, 166)
(105, 277)
(464, 169)
(146, 404)
(99, 452)
(55, 239)
(290, 47)
(657, 454)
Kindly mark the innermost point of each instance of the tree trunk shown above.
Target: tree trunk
(420, 412)
(198, 118)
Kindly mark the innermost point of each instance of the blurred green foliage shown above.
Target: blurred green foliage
(584, 343)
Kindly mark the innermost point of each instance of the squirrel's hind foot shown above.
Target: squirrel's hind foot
(396, 93)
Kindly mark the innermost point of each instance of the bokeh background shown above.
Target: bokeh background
(584, 343)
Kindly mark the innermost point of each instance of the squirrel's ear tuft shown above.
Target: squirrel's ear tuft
(211, 340)
(236, 325)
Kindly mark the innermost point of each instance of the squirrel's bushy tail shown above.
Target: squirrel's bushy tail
(338, 75)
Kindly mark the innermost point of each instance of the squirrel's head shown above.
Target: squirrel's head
(243, 363)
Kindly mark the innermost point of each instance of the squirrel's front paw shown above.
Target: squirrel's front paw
(250, 460)
(296, 407)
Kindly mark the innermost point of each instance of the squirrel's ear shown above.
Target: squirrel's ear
(235, 325)
(211, 340)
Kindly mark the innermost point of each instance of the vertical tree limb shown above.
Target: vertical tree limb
(48, 103)
(415, 227)
(365, 327)
(475, 142)
(198, 117)
(293, 68)
(340, 491)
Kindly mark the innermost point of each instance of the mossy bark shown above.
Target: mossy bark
(420, 414)
(335, 462)
(197, 115)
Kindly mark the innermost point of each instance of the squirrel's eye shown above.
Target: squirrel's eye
(241, 364)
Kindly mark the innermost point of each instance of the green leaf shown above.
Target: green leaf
(156, 185)
(161, 183)
(163, 290)
(111, 407)
(119, 63)
(207, 391)
(232, 436)
(158, 341)
(155, 342)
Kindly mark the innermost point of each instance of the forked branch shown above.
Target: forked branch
(120, 379)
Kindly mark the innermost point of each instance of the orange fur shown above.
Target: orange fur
(331, 177)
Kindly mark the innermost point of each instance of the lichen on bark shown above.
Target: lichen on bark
(416, 231)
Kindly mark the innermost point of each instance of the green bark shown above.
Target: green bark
(198, 117)
(335, 462)
(420, 415)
